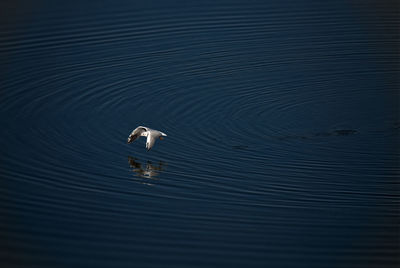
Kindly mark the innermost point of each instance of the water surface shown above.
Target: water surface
(283, 134)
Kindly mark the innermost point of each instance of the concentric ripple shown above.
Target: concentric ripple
(283, 134)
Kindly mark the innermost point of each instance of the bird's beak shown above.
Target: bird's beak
(161, 138)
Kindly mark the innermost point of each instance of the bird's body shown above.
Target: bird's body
(151, 135)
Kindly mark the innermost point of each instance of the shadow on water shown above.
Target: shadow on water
(147, 170)
(338, 132)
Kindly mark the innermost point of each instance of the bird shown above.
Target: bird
(151, 135)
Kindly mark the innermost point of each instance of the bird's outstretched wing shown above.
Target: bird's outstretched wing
(151, 139)
(136, 133)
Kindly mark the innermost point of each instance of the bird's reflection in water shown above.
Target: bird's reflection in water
(146, 171)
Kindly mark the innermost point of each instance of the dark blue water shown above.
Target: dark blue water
(283, 126)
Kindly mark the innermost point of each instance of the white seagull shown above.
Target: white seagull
(151, 135)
